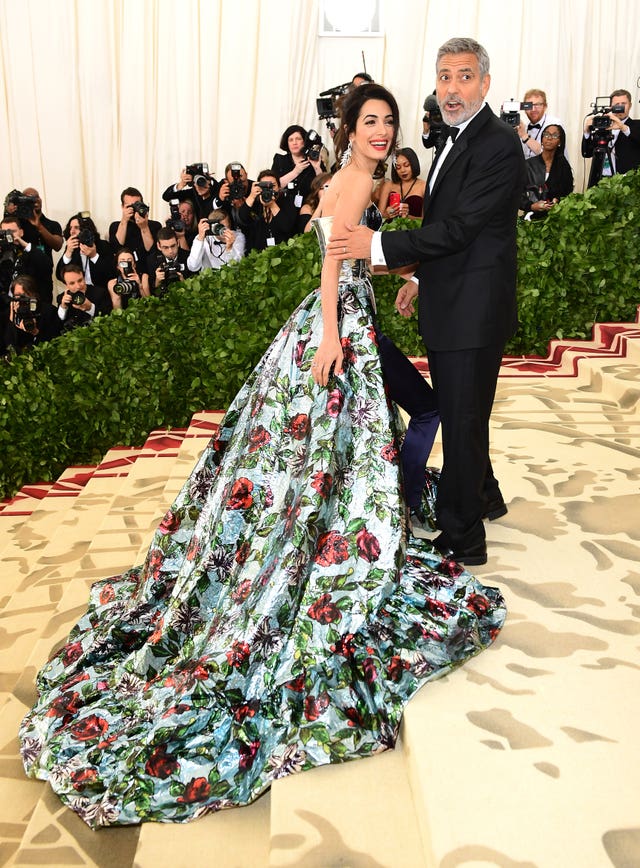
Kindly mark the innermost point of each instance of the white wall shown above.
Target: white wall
(104, 94)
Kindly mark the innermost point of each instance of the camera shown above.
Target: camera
(140, 208)
(27, 313)
(433, 116)
(78, 297)
(175, 222)
(328, 103)
(216, 228)
(6, 239)
(267, 191)
(312, 146)
(510, 111)
(86, 234)
(25, 205)
(194, 169)
(126, 287)
(236, 187)
(171, 271)
(601, 134)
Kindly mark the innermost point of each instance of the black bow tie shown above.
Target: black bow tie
(533, 127)
(453, 132)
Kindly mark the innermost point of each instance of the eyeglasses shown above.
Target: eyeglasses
(551, 135)
(537, 104)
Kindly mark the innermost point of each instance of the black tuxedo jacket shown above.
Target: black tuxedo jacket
(466, 246)
(627, 148)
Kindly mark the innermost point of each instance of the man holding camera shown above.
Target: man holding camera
(614, 146)
(25, 258)
(134, 229)
(30, 320)
(79, 303)
(530, 132)
(198, 186)
(267, 217)
(168, 264)
(234, 189)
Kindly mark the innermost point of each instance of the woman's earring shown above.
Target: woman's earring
(346, 156)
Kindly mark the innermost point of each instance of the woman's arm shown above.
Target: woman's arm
(346, 199)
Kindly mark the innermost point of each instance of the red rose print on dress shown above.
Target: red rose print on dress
(322, 483)
(314, 707)
(299, 426)
(197, 790)
(247, 754)
(238, 654)
(348, 354)
(89, 728)
(107, 594)
(396, 667)
(258, 437)
(332, 548)
(241, 497)
(66, 704)
(161, 764)
(335, 401)
(324, 611)
(169, 524)
(243, 552)
(81, 777)
(478, 604)
(389, 452)
(71, 653)
(368, 545)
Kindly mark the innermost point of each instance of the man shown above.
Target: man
(80, 303)
(134, 229)
(618, 151)
(466, 273)
(25, 259)
(168, 264)
(531, 133)
(197, 186)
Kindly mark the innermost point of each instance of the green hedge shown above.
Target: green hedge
(156, 363)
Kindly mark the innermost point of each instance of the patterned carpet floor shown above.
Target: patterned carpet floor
(526, 757)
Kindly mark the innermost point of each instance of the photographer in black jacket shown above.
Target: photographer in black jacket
(267, 217)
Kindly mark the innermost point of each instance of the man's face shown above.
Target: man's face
(168, 248)
(622, 100)
(74, 282)
(31, 191)
(15, 229)
(460, 89)
(538, 108)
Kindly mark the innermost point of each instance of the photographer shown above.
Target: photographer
(234, 190)
(300, 163)
(168, 264)
(43, 233)
(614, 143)
(128, 283)
(85, 248)
(267, 217)
(134, 229)
(538, 120)
(198, 186)
(79, 303)
(31, 320)
(24, 258)
(182, 220)
(216, 243)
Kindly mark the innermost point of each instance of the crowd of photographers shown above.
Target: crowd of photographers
(213, 222)
(210, 223)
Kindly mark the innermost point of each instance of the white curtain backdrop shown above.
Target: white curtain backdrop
(96, 96)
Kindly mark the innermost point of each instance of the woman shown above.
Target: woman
(84, 247)
(128, 283)
(216, 243)
(294, 167)
(282, 618)
(311, 205)
(549, 175)
(406, 184)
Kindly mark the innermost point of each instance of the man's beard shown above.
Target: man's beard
(469, 110)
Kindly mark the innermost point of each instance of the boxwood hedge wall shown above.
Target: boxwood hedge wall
(162, 359)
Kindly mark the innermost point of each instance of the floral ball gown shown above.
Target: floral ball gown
(283, 616)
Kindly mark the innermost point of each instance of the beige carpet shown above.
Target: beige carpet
(527, 757)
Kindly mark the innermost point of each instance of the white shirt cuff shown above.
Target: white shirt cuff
(377, 256)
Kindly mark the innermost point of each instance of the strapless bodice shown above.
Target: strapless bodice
(351, 269)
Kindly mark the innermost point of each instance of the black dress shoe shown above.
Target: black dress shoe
(474, 556)
(495, 509)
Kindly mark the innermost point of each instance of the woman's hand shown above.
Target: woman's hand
(328, 356)
(72, 244)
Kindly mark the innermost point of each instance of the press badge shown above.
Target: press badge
(271, 241)
(298, 200)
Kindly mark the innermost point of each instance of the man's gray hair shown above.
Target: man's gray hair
(465, 45)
